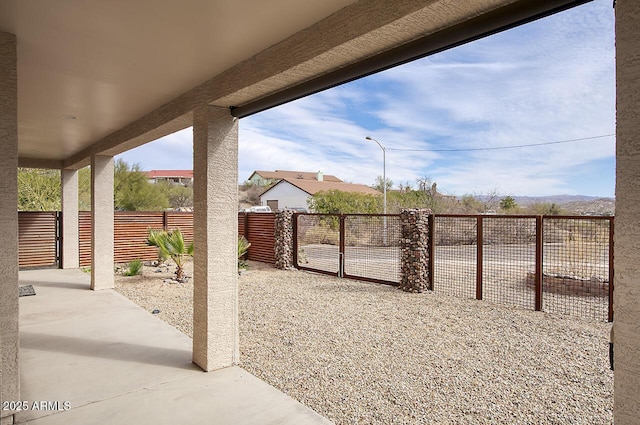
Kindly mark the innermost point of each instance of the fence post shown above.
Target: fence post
(414, 253)
(432, 249)
(611, 269)
(539, 262)
(479, 255)
(283, 240)
(341, 247)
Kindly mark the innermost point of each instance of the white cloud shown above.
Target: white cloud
(551, 80)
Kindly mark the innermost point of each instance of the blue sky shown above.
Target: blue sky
(548, 81)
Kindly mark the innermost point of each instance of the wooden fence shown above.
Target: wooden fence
(38, 234)
(130, 233)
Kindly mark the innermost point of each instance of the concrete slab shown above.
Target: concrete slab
(112, 362)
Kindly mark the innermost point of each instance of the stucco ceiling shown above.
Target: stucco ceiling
(110, 62)
(99, 76)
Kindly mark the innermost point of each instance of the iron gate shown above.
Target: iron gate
(356, 246)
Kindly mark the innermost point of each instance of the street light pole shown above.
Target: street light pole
(384, 173)
(384, 190)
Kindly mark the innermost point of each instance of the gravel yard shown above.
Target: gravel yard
(361, 353)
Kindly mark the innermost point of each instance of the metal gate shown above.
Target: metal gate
(39, 239)
(356, 246)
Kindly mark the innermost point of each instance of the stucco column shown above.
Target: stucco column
(9, 342)
(215, 225)
(626, 302)
(102, 168)
(70, 232)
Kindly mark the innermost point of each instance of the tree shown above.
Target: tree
(38, 190)
(338, 202)
(471, 204)
(133, 192)
(380, 186)
(179, 196)
(508, 203)
(491, 200)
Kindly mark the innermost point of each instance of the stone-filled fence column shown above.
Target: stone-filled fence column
(283, 240)
(414, 244)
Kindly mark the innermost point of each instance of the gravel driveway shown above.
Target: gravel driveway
(362, 353)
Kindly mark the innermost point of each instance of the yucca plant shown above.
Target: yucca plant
(171, 244)
(243, 247)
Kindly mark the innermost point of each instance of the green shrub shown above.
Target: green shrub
(243, 247)
(134, 268)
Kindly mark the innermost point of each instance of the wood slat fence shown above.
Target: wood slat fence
(38, 236)
(130, 233)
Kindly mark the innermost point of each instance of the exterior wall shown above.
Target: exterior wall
(626, 302)
(102, 169)
(9, 340)
(288, 196)
(215, 280)
(70, 233)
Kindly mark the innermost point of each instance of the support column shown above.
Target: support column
(215, 280)
(414, 250)
(9, 342)
(283, 248)
(102, 168)
(70, 232)
(626, 302)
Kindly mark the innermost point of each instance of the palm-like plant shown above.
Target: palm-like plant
(171, 244)
(243, 247)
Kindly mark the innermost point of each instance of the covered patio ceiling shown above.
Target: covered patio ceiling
(99, 77)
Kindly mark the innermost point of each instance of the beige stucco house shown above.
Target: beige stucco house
(82, 81)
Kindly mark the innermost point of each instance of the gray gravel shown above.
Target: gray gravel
(362, 353)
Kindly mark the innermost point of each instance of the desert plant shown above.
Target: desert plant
(171, 244)
(134, 268)
(243, 247)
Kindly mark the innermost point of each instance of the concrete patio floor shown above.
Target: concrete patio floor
(114, 363)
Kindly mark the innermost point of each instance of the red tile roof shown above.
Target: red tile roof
(153, 174)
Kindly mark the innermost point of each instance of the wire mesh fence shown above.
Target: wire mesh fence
(576, 266)
(317, 242)
(508, 257)
(372, 247)
(502, 259)
(455, 255)
(550, 263)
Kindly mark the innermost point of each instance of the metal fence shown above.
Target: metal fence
(356, 246)
(560, 264)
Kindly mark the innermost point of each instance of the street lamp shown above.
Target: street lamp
(384, 173)
(384, 189)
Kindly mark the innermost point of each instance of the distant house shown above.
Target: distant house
(265, 178)
(184, 177)
(293, 193)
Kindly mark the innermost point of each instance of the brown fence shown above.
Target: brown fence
(38, 238)
(130, 233)
(561, 264)
(357, 246)
(259, 229)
